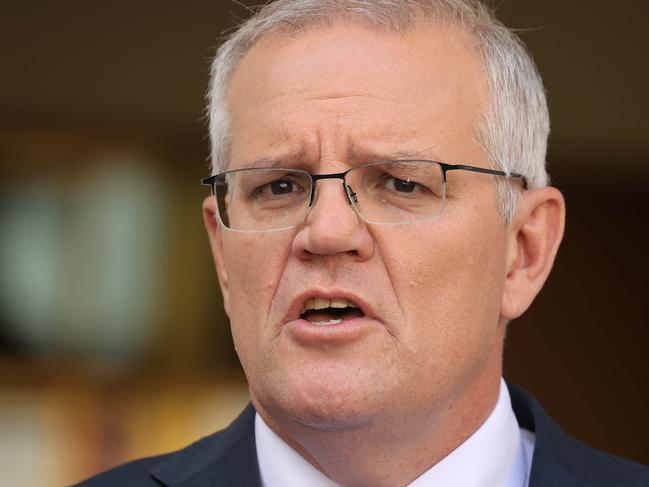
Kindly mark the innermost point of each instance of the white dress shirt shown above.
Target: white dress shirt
(498, 454)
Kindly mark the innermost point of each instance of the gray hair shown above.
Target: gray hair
(515, 125)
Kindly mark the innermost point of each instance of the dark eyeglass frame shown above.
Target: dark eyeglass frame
(211, 180)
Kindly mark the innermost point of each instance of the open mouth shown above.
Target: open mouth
(323, 311)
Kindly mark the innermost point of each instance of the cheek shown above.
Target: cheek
(448, 280)
(254, 263)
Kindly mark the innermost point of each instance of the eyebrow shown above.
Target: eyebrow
(355, 156)
(289, 160)
(358, 155)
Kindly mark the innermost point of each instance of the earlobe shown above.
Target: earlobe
(213, 228)
(535, 235)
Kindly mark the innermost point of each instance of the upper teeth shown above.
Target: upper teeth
(322, 303)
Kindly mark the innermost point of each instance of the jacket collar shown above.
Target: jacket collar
(230, 457)
(548, 469)
(561, 461)
(225, 458)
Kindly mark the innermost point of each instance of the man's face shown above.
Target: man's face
(430, 293)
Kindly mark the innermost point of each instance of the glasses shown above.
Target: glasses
(384, 193)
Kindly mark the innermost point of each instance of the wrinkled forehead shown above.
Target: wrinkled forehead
(355, 82)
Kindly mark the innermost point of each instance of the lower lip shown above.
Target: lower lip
(312, 334)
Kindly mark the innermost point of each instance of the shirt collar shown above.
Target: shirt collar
(280, 465)
(493, 456)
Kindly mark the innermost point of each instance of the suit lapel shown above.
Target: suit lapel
(228, 457)
(547, 469)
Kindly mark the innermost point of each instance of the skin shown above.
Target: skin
(382, 403)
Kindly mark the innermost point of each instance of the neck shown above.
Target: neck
(394, 450)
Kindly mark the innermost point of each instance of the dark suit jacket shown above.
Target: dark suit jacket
(229, 458)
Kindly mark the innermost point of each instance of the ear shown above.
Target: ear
(533, 240)
(213, 227)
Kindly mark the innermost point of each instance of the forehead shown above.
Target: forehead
(358, 89)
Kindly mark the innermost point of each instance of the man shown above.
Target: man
(381, 213)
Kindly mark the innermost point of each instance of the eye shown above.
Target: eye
(402, 185)
(271, 185)
(281, 186)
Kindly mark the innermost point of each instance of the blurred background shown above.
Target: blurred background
(113, 340)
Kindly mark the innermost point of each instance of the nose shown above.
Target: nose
(332, 227)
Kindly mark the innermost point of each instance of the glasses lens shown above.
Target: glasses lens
(397, 192)
(262, 199)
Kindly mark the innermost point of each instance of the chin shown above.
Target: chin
(330, 405)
